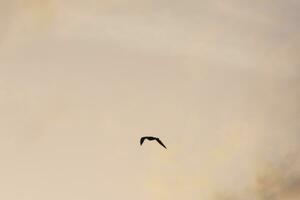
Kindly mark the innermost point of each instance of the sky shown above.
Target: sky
(217, 81)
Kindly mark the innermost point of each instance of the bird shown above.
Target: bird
(152, 138)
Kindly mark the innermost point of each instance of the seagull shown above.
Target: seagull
(151, 138)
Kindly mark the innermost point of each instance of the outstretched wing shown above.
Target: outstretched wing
(160, 142)
(142, 140)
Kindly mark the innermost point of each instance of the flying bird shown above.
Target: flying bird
(150, 138)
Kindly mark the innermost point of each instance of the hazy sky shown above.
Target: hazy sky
(218, 81)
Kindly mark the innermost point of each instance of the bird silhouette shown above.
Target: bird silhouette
(150, 138)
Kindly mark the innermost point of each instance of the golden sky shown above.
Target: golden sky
(82, 81)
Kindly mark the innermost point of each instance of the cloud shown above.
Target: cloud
(280, 181)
